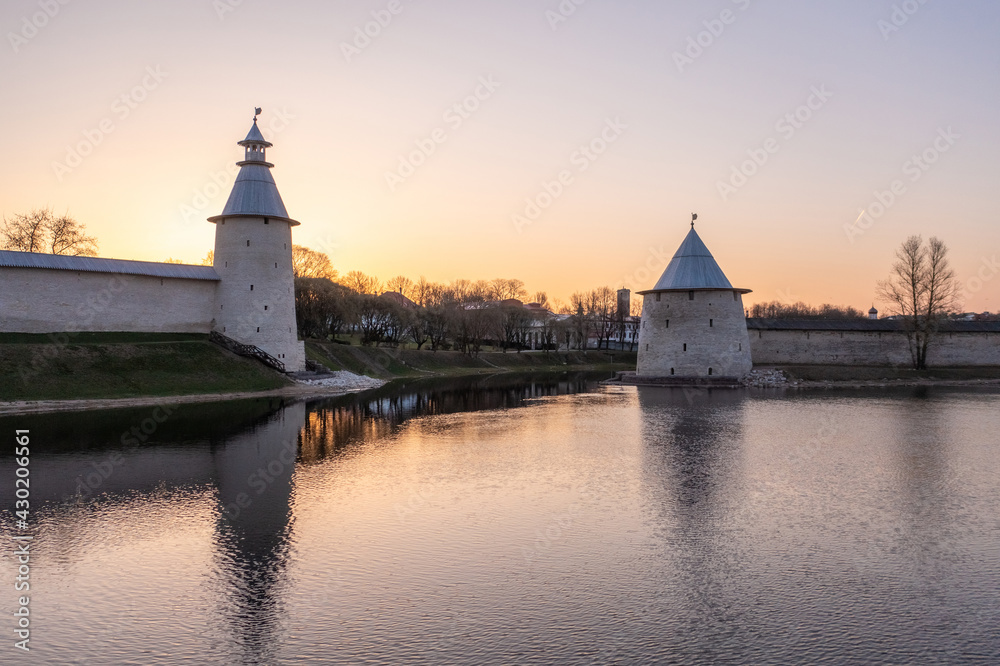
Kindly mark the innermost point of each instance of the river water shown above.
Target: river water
(512, 520)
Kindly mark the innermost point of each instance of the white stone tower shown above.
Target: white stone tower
(693, 328)
(255, 300)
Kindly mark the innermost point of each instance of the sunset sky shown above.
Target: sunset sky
(125, 114)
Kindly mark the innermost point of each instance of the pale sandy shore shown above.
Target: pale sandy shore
(341, 383)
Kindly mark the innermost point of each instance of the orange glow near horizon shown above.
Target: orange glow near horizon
(778, 134)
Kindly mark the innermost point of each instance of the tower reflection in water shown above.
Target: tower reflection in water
(254, 471)
(692, 443)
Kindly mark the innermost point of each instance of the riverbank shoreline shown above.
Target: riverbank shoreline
(296, 392)
(301, 391)
(42, 373)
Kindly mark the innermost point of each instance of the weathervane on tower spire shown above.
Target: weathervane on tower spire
(256, 112)
(694, 216)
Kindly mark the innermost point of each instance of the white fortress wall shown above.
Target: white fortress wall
(819, 347)
(38, 300)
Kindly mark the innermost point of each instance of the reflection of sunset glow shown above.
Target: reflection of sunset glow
(159, 150)
(499, 517)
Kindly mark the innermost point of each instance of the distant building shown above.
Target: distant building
(399, 299)
(873, 313)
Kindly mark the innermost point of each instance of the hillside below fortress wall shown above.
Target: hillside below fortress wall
(868, 343)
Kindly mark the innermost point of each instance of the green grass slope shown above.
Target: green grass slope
(123, 365)
(390, 363)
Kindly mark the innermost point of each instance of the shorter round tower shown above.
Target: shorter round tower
(693, 328)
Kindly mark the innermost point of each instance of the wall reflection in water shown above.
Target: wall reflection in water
(623, 525)
(334, 424)
(89, 468)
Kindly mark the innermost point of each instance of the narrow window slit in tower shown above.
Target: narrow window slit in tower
(668, 324)
(671, 371)
(657, 298)
(710, 324)
(685, 346)
(258, 329)
(251, 287)
(710, 371)
(248, 243)
(690, 295)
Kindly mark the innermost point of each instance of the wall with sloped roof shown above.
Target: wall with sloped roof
(783, 346)
(40, 300)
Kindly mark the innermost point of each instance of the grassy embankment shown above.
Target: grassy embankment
(392, 363)
(123, 365)
(128, 365)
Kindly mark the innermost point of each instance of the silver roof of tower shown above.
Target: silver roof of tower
(255, 193)
(60, 262)
(693, 267)
(254, 136)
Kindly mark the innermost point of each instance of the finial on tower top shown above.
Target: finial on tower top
(256, 112)
(694, 216)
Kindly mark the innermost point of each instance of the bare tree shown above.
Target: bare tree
(323, 308)
(361, 283)
(422, 290)
(66, 236)
(25, 232)
(41, 231)
(503, 289)
(209, 259)
(400, 284)
(307, 263)
(922, 290)
(800, 310)
(603, 303)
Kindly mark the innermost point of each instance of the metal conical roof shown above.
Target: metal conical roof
(254, 136)
(693, 267)
(255, 193)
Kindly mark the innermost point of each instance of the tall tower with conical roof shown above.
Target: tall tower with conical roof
(255, 299)
(693, 326)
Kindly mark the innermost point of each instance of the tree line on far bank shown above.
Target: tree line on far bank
(800, 310)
